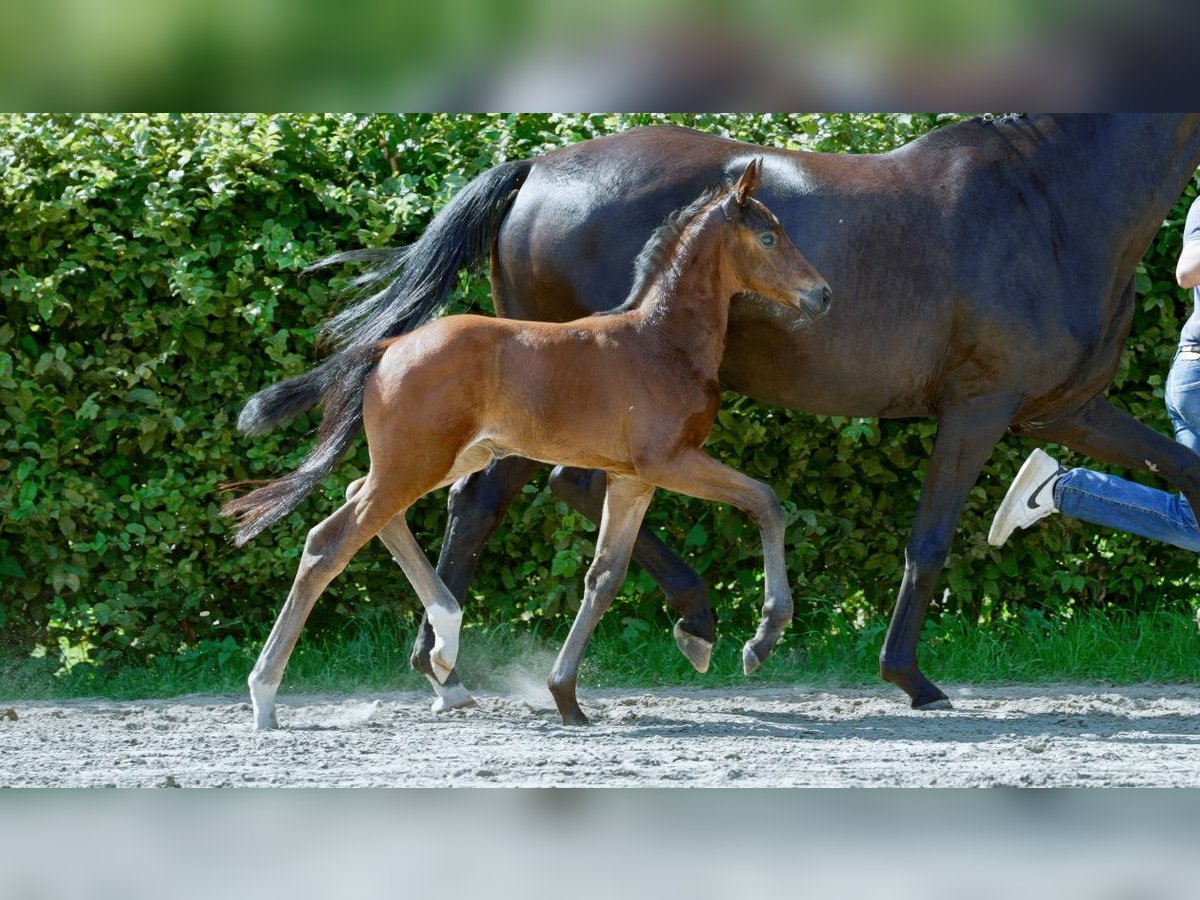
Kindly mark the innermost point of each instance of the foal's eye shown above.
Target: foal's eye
(767, 239)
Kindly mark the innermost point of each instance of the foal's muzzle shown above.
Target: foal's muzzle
(815, 302)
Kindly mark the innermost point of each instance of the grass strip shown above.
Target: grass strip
(1111, 648)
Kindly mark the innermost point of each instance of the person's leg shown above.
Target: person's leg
(1043, 487)
(1116, 503)
(1182, 395)
(1108, 500)
(1183, 404)
(1127, 506)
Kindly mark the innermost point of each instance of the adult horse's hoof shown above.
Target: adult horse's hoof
(935, 703)
(697, 650)
(750, 660)
(923, 693)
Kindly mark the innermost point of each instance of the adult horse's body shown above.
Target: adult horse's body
(984, 276)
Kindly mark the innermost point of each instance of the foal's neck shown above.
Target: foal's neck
(686, 304)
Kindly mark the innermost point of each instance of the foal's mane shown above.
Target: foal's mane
(660, 248)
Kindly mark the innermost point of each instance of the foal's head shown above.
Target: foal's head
(763, 259)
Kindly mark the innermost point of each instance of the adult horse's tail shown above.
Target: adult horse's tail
(345, 376)
(405, 287)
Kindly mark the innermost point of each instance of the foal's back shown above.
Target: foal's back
(529, 388)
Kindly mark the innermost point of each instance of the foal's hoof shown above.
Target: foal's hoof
(697, 650)
(266, 721)
(450, 697)
(262, 699)
(575, 717)
(445, 704)
(750, 660)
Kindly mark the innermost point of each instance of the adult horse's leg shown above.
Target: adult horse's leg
(685, 590)
(1106, 433)
(625, 504)
(442, 611)
(965, 438)
(695, 473)
(328, 548)
(475, 509)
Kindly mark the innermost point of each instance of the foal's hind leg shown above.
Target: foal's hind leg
(685, 590)
(624, 506)
(475, 508)
(441, 609)
(328, 548)
(695, 473)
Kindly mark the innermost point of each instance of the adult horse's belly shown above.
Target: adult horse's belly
(836, 366)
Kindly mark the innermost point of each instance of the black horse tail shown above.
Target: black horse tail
(342, 380)
(414, 282)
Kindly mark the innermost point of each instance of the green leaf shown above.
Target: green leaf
(566, 564)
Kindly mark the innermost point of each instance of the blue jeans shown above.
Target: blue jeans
(1126, 506)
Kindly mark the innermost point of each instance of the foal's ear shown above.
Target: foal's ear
(748, 183)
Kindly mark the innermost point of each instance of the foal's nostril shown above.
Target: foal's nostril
(826, 298)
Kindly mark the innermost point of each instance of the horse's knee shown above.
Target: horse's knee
(354, 487)
(768, 511)
(325, 549)
(317, 559)
(603, 580)
(922, 568)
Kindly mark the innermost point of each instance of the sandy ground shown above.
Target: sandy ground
(750, 737)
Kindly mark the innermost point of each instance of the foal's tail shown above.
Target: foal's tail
(342, 381)
(410, 285)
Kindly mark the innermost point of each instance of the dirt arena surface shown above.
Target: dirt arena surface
(1054, 736)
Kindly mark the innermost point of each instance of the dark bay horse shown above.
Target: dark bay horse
(984, 275)
(444, 400)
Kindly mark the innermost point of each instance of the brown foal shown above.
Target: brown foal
(446, 399)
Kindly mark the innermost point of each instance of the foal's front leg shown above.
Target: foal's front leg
(685, 590)
(625, 504)
(695, 473)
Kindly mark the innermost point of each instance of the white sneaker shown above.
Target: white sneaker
(1029, 499)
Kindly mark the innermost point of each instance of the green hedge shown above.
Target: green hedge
(151, 274)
